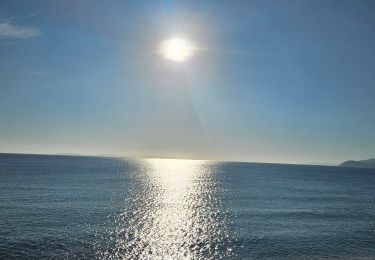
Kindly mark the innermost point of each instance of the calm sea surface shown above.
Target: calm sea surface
(88, 207)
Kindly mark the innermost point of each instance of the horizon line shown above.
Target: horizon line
(166, 157)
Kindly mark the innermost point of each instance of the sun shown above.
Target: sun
(177, 49)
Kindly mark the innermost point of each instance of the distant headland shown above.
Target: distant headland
(370, 163)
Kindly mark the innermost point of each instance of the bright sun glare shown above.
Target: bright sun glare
(177, 49)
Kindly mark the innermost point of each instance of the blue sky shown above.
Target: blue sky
(273, 81)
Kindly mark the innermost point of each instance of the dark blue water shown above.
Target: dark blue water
(87, 207)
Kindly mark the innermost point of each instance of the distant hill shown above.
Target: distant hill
(370, 163)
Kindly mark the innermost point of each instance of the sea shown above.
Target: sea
(74, 207)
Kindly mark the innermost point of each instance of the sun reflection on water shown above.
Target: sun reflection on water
(174, 211)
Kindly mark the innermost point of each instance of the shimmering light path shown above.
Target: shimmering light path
(174, 212)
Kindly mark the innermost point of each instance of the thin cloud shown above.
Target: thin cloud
(8, 30)
(32, 14)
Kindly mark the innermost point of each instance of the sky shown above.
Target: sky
(272, 81)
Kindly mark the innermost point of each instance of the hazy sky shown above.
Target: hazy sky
(273, 81)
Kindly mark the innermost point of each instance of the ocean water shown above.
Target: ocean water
(66, 207)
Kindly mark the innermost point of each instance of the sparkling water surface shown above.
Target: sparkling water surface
(66, 207)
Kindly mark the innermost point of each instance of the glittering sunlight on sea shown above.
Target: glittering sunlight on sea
(174, 211)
